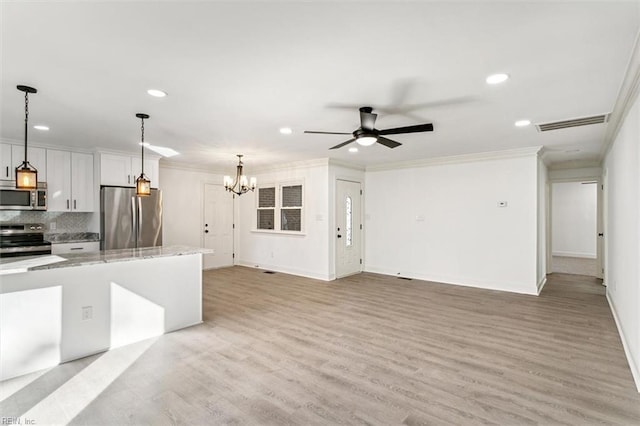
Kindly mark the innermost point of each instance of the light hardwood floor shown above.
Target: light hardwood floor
(368, 349)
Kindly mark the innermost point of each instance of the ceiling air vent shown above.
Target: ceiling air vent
(584, 121)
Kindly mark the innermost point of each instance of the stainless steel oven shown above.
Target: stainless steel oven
(22, 199)
(23, 239)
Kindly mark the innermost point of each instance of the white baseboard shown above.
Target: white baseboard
(492, 285)
(574, 254)
(284, 270)
(632, 365)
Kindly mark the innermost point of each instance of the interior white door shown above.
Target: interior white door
(348, 228)
(218, 226)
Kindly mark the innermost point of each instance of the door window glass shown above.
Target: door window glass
(348, 222)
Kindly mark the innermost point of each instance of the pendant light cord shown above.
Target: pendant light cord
(26, 121)
(142, 131)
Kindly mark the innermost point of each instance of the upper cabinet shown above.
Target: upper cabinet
(123, 170)
(6, 163)
(70, 181)
(37, 158)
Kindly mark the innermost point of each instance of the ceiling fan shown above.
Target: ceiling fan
(367, 135)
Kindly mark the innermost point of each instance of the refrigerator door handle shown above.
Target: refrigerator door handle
(134, 228)
(139, 221)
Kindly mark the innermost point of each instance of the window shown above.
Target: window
(266, 208)
(291, 210)
(280, 208)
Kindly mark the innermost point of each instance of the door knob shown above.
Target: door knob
(206, 231)
(339, 236)
(600, 234)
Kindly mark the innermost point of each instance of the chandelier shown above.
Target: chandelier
(241, 184)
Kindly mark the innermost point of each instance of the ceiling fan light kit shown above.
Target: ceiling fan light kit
(367, 134)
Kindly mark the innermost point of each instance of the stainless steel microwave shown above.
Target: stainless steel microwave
(22, 199)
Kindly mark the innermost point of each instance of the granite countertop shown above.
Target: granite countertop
(72, 237)
(107, 256)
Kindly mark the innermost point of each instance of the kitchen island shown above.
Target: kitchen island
(92, 302)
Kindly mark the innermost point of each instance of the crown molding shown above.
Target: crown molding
(202, 168)
(627, 95)
(341, 163)
(302, 164)
(57, 147)
(457, 159)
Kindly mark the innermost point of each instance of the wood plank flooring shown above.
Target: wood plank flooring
(367, 349)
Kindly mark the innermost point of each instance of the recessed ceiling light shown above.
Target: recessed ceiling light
(522, 123)
(41, 127)
(286, 130)
(497, 78)
(157, 93)
(353, 149)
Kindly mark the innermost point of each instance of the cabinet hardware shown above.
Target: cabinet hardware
(74, 205)
(67, 204)
(7, 171)
(76, 248)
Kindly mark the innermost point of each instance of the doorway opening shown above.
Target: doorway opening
(576, 235)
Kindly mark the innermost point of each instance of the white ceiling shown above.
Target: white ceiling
(237, 72)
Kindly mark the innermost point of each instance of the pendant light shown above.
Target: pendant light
(26, 174)
(143, 184)
(240, 185)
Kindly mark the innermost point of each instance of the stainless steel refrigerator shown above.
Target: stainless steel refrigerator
(128, 221)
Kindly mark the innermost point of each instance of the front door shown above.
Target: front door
(218, 226)
(348, 231)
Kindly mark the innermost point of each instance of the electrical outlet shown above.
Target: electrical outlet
(52, 226)
(87, 313)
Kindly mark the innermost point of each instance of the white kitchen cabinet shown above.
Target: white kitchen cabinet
(123, 170)
(116, 170)
(82, 247)
(37, 158)
(6, 163)
(70, 181)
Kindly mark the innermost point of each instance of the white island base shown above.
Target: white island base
(83, 306)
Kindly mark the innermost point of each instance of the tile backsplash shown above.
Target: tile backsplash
(62, 221)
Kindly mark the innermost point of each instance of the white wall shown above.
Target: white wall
(622, 234)
(305, 254)
(442, 223)
(543, 194)
(183, 200)
(574, 219)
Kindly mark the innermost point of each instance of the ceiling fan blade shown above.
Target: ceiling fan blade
(388, 142)
(428, 127)
(326, 133)
(340, 145)
(367, 120)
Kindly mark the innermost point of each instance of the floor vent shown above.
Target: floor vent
(269, 272)
(584, 121)
(405, 278)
